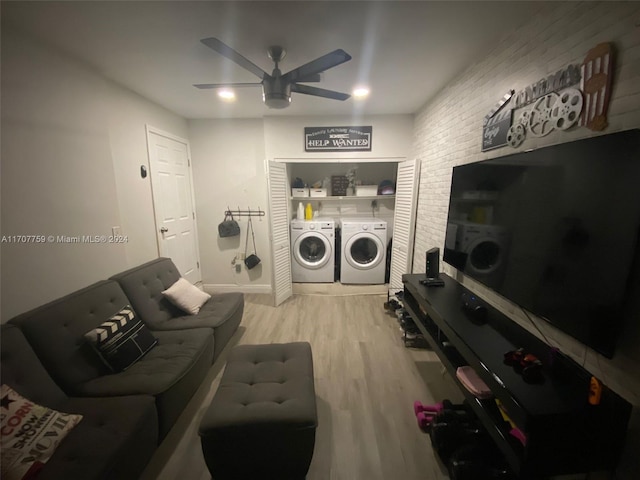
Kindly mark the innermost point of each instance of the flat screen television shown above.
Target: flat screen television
(555, 230)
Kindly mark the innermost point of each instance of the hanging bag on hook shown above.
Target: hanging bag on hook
(228, 227)
(253, 259)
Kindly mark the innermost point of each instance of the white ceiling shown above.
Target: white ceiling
(405, 51)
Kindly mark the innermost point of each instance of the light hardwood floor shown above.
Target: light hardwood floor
(366, 381)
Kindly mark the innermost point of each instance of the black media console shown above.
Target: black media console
(565, 433)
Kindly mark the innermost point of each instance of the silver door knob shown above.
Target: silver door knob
(164, 230)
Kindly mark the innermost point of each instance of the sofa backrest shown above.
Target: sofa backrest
(144, 284)
(56, 332)
(22, 370)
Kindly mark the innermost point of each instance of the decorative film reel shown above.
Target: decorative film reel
(515, 135)
(541, 121)
(566, 111)
(525, 116)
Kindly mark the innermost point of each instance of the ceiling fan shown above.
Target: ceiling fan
(277, 87)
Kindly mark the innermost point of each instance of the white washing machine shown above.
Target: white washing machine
(485, 248)
(313, 250)
(363, 250)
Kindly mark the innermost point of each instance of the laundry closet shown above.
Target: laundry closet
(358, 216)
(357, 209)
(362, 238)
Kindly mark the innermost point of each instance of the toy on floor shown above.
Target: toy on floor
(425, 414)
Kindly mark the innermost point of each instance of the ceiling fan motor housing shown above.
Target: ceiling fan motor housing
(277, 88)
(275, 92)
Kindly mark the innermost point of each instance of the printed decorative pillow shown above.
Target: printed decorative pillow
(186, 296)
(30, 434)
(122, 340)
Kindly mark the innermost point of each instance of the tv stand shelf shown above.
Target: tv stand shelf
(565, 434)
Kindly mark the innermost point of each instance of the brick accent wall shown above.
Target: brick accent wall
(448, 132)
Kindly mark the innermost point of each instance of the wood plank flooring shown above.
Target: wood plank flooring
(366, 381)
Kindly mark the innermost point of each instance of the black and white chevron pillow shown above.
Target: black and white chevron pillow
(122, 340)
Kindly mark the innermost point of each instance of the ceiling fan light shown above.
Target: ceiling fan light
(227, 94)
(360, 92)
(275, 93)
(276, 100)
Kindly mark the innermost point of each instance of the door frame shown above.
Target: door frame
(149, 130)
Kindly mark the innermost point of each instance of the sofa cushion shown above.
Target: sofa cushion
(56, 332)
(172, 372)
(116, 437)
(224, 313)
(114, 441)
(186, 296)
(144, 285)
(176, 352)
(122, 340)
(31, 433)
(21, 369)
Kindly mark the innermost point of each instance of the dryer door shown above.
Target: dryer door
(312, 250)
(364, 251)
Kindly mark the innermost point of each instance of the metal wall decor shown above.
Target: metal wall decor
(496, 124)
(554, 102)
(597, 77)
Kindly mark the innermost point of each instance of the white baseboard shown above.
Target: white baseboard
(224, 288)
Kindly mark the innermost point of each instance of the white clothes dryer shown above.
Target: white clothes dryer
(313, 250)
(363, 251)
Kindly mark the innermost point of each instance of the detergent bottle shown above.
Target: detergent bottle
(308, 212)
(300, 211)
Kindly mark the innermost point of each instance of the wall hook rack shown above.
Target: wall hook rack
(244, 213)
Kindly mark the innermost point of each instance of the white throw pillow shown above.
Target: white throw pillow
(186, 296)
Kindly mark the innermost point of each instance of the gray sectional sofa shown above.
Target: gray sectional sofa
(162, 381)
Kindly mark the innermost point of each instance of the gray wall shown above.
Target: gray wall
(229, 172)
(72, 146)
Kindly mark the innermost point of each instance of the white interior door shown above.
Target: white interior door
(279, 225)
(173, 202)
(404, 221)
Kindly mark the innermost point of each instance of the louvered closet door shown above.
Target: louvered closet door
(280, 243)
(404, 222)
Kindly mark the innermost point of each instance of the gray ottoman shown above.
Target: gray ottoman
(262, 420)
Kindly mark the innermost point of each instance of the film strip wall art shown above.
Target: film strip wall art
(573, 96)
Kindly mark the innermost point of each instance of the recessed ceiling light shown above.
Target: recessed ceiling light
(227, 94)
(360, 92)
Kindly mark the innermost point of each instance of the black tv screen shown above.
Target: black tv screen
(555, 230)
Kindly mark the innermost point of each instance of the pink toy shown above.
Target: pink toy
(419, 407)
(424, 420)
(517, 433)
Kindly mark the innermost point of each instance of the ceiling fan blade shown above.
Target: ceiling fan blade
(205, 86)
(318, 65)
(311, 78)
(231, 54)
(318, 92)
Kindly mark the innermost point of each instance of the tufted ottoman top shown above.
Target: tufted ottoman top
(264, 387)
